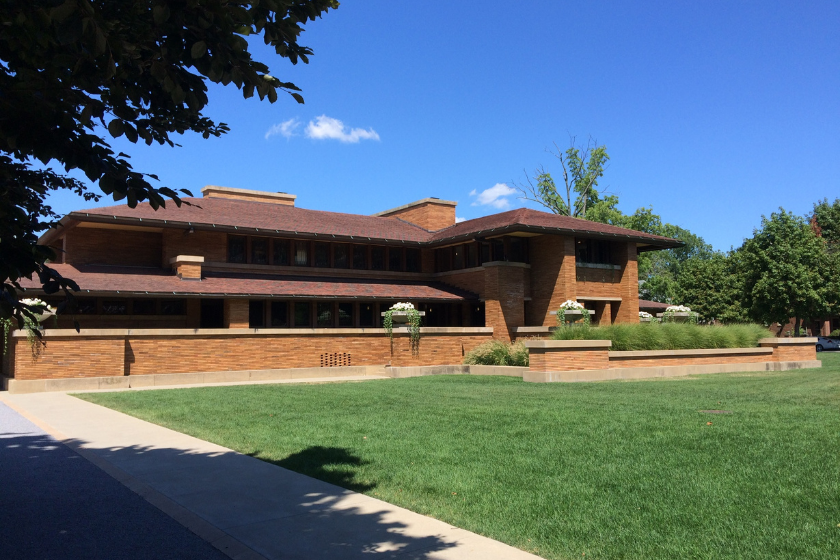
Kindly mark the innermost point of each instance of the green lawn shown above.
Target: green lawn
(609, 470)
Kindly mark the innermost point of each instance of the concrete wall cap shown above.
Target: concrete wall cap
(186, 259)
(112, 333)
(561, 344)
(210, 189)
(597, 298)
(797, 341)
(686, 353)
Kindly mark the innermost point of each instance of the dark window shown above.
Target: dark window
(377, 258)
(236, 249)
(341, 255)
(256, 314)
(472, 255)
(86, 306)
(212, 314)
(394, 259)
(144, 307)
(281, 252)
(412, 260)
(593, 251)
(345, 314)
(443, 259)
(458, 257)
(279, 314)
(322, 255)
(366, 315)
(302, 317)
(477, 314)
(259, 250)
(518, 247)
(325, 314)
(114, 307)
(498, 250)
(485, 252)
(360, 257)
(173, 307)
(301, 253)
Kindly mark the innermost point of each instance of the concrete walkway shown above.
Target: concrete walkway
(245, 507)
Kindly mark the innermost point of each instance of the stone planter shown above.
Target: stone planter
(645, 319)
(401, 317)
(679, 317)
(573, 315)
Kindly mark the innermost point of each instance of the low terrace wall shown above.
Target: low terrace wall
(592, 360)
(120, 353)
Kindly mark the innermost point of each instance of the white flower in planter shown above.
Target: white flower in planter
(571, 305)
(678, 309)
(402, 307)
(645, 315)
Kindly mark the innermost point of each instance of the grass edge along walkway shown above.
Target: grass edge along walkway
(609, 470)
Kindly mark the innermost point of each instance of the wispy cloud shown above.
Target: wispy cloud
(285, 128)
(459, 219)
(495, 196)
(328, 128)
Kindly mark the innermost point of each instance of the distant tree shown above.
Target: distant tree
(785, 268)
(713, 287)
(71, 70)
(582, 167)
(826, 222)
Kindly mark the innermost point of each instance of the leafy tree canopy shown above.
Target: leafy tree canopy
(73, 70)
(712, 287)
(826, 222)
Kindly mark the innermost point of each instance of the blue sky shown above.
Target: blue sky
(714, 113)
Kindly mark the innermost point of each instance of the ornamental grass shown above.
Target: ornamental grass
(667, 336)
(498, 353)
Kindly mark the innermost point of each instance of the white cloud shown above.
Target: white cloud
(328, 128)
(495, 196)
(285, 128)
(458, 219)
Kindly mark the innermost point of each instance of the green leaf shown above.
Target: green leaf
(198, 49)
(160, 14)
(298, 97)
(116, 128)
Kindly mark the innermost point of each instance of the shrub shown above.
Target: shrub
(668, 336)
(835, 333)
(498, 353)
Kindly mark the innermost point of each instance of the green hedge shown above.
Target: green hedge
(497, 353)
(667, 336)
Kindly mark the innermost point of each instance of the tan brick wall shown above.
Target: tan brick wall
(236, 313)
(427, 215)
(188, 270)
(552, 277)
(70, 357)
(571, 359)
(794, 352)
(472, 281)
(628, 309)
(208, 244)
(504, 293)
(66, 357)
(627, 362)
(113, 247)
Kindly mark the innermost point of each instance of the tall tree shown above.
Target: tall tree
(784, 266)
(582, 167)
(73, 70)
(713, 287)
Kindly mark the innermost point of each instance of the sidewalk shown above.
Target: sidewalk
(245, 507)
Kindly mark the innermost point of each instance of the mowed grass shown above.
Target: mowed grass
(606, 470)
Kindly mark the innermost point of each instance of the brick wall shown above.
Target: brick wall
(427, 215)
(788, 349)
(552, 277)
(236, 313)
(570, 359)
(628, 309)
(208, 244)
(472, 281)
(637, 362)
(141, 354)
(504, 298)
(113, 247)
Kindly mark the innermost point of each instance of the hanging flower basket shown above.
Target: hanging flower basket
(572, 313)
(404, 313)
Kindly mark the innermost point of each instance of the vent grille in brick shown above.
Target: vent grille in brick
(335, 359)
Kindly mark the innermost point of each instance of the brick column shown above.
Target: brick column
(628, 309)
(551, 359)
(553, 277)
(504, 298)
(236, 313)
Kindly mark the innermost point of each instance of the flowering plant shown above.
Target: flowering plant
(672, 310)
(41, 310)
(645, 315)
(678, 309)
(413, 324)
(572, 305)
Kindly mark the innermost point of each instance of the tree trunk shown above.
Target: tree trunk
(796, 327)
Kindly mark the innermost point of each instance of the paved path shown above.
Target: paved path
(55, 504)
(245, 507)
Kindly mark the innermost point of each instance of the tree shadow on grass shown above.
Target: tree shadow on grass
(335, 465)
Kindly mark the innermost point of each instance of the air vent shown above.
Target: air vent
(335, 359)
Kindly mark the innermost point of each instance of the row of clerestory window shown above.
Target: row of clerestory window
(320, 254)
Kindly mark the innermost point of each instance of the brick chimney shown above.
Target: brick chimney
(212, 191)
(430, 213)
(187, 267)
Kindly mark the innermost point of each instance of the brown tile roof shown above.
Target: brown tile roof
(132, 281)
(647, 305)
(277, 218)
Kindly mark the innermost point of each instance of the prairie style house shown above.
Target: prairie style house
(305, 287)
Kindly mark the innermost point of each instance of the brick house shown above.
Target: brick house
(242, 260)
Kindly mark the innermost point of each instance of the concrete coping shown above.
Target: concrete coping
(210, 189)
(186, 259)
(597, 298)
(532, 330)
(795, 341)
(686, 353)
(567, 344)
(105, 333)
